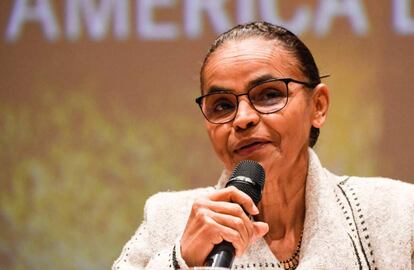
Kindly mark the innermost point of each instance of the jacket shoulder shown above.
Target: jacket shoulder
(173, 201)
(165, 216)
(171, 209)
(383, 189)
(388, 204)
(381, 194)
(383, 211)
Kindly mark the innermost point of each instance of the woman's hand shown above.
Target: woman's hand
(219, 217)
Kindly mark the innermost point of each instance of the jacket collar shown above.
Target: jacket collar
(326, 243)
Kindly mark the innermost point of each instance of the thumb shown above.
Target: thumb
(260, 229)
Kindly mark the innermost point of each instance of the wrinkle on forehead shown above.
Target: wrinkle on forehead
(239, 52)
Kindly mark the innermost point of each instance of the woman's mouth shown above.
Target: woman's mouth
(248, 149)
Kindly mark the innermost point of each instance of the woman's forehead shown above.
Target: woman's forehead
(249, 58)
(249, 46)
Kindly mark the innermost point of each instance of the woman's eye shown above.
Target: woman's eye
(270, 94)
(223, 106)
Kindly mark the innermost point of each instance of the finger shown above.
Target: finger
(260, 229)
(232, 236)
(209, 225)
(214, 233)
(235, 210)
(236, 224)
(226, 213)
(202, 232)
(232, 194)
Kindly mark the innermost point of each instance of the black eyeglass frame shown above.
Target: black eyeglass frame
(285, 80)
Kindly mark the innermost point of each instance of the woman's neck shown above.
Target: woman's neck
(282, 206)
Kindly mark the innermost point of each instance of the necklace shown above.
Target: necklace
(292, 262)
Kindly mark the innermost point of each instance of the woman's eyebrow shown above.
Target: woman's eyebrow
(251, 84)
(217, 89)
(260, 80)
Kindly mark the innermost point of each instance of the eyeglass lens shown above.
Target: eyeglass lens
(267, 97)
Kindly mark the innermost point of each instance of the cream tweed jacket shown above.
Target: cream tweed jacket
(350, 223)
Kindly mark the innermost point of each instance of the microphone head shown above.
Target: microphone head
(249, 177)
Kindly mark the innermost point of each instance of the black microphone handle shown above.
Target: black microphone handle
(248, 176)
(222, 255)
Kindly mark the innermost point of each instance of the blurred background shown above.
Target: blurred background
(97, 109)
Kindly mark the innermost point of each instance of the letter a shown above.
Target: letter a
(331, 8)
(41, 12)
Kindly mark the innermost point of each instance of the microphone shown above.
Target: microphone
(249, 177)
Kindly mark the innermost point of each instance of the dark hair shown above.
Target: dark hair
(283, 37)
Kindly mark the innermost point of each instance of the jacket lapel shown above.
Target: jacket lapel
(326, 243)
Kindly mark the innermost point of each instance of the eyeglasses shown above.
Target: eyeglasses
(269, 96)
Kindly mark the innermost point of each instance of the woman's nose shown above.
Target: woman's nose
(246, 115)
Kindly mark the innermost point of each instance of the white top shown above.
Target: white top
(350, 223)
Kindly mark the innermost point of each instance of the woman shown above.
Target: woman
(263, 100)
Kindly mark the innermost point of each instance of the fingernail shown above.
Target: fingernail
(255, 210)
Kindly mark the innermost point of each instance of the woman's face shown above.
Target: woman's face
(278, 139)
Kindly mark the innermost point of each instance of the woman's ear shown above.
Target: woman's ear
(320, 101)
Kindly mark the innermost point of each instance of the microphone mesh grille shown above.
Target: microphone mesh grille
(252, 170)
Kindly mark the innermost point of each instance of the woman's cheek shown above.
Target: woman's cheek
(219, 137)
